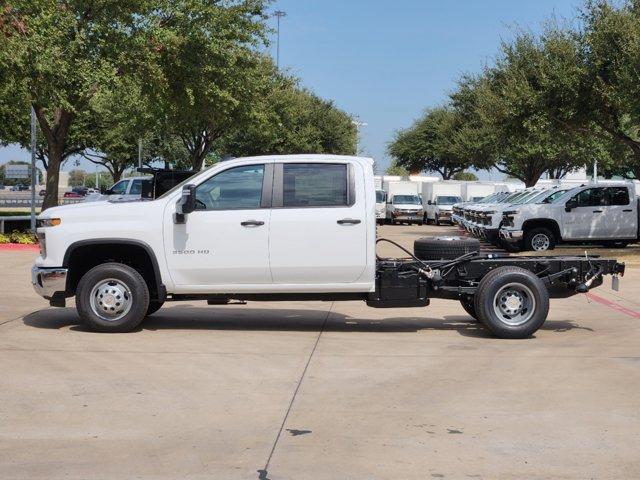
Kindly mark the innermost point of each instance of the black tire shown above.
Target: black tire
(154, 306)
(521, 282)
(126, 282)
(444, 248)
(535, 238)
(469, 306)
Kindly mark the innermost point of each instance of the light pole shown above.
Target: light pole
(358, 125)
(34, 145)
(278, 14)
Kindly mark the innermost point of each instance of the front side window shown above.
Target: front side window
(314, 185)
(236, 188)
(120, 188)
(591, 197)
(381, 196)
(618, 195)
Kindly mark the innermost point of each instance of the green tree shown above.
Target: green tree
(465, 177)
(397, 170)
(289, 119)
(430, 144)
(609, 95)
(77, 177)
(512, 100)
(211, 70)
(55, 56)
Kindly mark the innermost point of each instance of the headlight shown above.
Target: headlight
(48, 222)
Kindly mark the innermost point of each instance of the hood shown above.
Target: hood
(99, 209)
(446, 208)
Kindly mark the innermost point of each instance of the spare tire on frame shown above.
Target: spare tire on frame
(444, 248)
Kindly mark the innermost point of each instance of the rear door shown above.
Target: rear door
(318, 224)
(621, 213)
(588, 220)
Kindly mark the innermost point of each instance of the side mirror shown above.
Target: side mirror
(570, 205)
(429, 202)
(187, 203)
(108, 191)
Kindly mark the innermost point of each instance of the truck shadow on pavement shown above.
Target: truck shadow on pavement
(187, 317)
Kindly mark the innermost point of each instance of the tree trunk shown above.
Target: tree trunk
(53, 175)
(56, 137)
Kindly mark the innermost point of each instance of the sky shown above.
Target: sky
(385, 62)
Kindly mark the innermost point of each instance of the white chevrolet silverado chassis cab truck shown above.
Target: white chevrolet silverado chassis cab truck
(281, 228)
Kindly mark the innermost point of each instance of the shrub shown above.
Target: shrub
(23, 238)
(4, 238)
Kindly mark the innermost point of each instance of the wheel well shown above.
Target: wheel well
(79, 259)
(542, 223)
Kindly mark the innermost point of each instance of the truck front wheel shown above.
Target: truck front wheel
(112, 297)
(539, 240)
(512, 302)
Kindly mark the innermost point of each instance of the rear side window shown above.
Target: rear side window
(591, 197)
(315, 185)
(136, 187)
(618, 195)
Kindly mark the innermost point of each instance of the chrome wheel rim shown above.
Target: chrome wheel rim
(514, 304)
(540, 242)
(111, 299)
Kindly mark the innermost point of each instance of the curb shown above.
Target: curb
(17, 247)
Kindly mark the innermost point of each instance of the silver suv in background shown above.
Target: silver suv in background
(126, 189)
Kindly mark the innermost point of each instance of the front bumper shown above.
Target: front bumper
(49, 282)
(445, 217)
(511, 235)
(413, 217)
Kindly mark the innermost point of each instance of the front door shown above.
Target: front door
(226, 239)
(588, 219)
(318, 224)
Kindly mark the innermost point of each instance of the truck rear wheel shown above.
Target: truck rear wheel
(444, 248)
(112, 297)
(512, 302)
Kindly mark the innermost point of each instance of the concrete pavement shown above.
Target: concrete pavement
(316, 390)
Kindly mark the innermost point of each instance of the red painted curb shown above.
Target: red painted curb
(17, 247)
(613, 305)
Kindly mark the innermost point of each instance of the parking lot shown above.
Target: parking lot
(321, 390)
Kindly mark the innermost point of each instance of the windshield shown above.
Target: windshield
(491, 198)
(447, 200)
(550, 196)
(381, 196)
(525, 198)
(560, 198)
(511, 197)
(406, 200)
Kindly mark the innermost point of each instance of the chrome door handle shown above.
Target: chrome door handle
(252, 223)
(349, 221)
